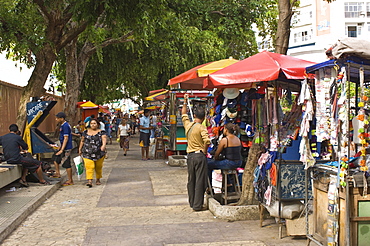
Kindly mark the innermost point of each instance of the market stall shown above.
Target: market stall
(190, 82)
(261, 96)
(340, 107)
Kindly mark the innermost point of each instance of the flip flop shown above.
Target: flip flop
(67, 184)
(144, 159)
(24, 183)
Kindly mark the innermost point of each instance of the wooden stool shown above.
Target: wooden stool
(234, 182)
(159, 148)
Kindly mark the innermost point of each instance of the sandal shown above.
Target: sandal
(67, 184)
(89, 185)
(44, 183)
(24, 183)
(98, 182)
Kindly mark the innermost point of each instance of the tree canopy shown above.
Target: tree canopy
(162, 39)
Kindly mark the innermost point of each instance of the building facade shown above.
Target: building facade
(317, 25)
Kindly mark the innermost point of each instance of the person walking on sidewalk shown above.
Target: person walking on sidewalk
(124, 131)
(145, 128)
(93, 149)
(198, 141)
(12, 145)
(63, 155)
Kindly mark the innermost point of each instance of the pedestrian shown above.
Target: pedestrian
(107, 127)
(153, 123)
(124, 131)
(87, 120)
(144, 129)
(93, 149)
(198, 141)
(63, 155)
(101, 125)
(116, 122)
(228, 152)
(13, 144)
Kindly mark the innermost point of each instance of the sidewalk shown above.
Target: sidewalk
(138, 203)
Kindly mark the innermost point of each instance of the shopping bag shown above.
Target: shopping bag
(141, 143)
(79, 163)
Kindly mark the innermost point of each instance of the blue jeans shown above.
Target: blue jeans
(221, 164)
(108, 131)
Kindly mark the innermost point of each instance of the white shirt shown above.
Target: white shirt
(123, 130)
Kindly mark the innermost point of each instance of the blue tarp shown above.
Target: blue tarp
(352, 62)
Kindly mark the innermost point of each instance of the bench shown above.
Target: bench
(9, 173)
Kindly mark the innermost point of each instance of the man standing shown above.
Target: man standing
(13, 144)
(198, 141)
(63, 156)
(88, 119)
(145, 128)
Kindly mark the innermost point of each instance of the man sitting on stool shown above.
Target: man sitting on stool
(13, 144)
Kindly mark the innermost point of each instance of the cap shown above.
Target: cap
(60, 115)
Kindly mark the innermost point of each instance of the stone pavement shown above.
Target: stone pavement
(138, 203)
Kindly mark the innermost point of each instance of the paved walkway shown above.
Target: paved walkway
(138, 203)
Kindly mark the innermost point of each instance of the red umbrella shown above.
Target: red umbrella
(194, 78)
(264, 66)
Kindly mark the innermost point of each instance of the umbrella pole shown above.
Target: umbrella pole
(191, 111)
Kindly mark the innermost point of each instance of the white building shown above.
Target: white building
(317, 25)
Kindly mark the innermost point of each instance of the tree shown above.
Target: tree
(188, 33)
(283, 27)
(37, 31)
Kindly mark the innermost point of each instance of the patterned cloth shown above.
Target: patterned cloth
(92, 144)
(124, 142)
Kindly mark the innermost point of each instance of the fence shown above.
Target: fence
(9, 102)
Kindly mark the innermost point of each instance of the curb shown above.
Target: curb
(233, 213)
(16, 220)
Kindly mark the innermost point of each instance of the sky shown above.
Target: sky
(11, 74)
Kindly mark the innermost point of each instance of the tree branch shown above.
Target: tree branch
(47, 16)
(89, 49)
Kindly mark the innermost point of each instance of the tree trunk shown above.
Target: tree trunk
(35, 87)
(72, 82)
(247, 196)
(283, 27)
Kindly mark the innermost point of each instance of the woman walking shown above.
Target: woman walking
(93, 149)
(124, 131)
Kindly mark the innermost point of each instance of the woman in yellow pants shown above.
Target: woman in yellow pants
(93, 149)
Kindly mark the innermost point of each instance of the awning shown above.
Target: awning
(104, 109)
(158, 96)
(193, 79)
(88, 105)
(264, 66)
(352, 63)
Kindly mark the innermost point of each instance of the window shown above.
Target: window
(353, 10)
(352, 31)
(304, 36)
(264, 45)
(368, 9)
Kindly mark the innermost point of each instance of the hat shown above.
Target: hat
(231, 93)
(231, 103)
(61, 115)
(231, 113)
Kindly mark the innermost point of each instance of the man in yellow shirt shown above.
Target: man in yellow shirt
(198, 141)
